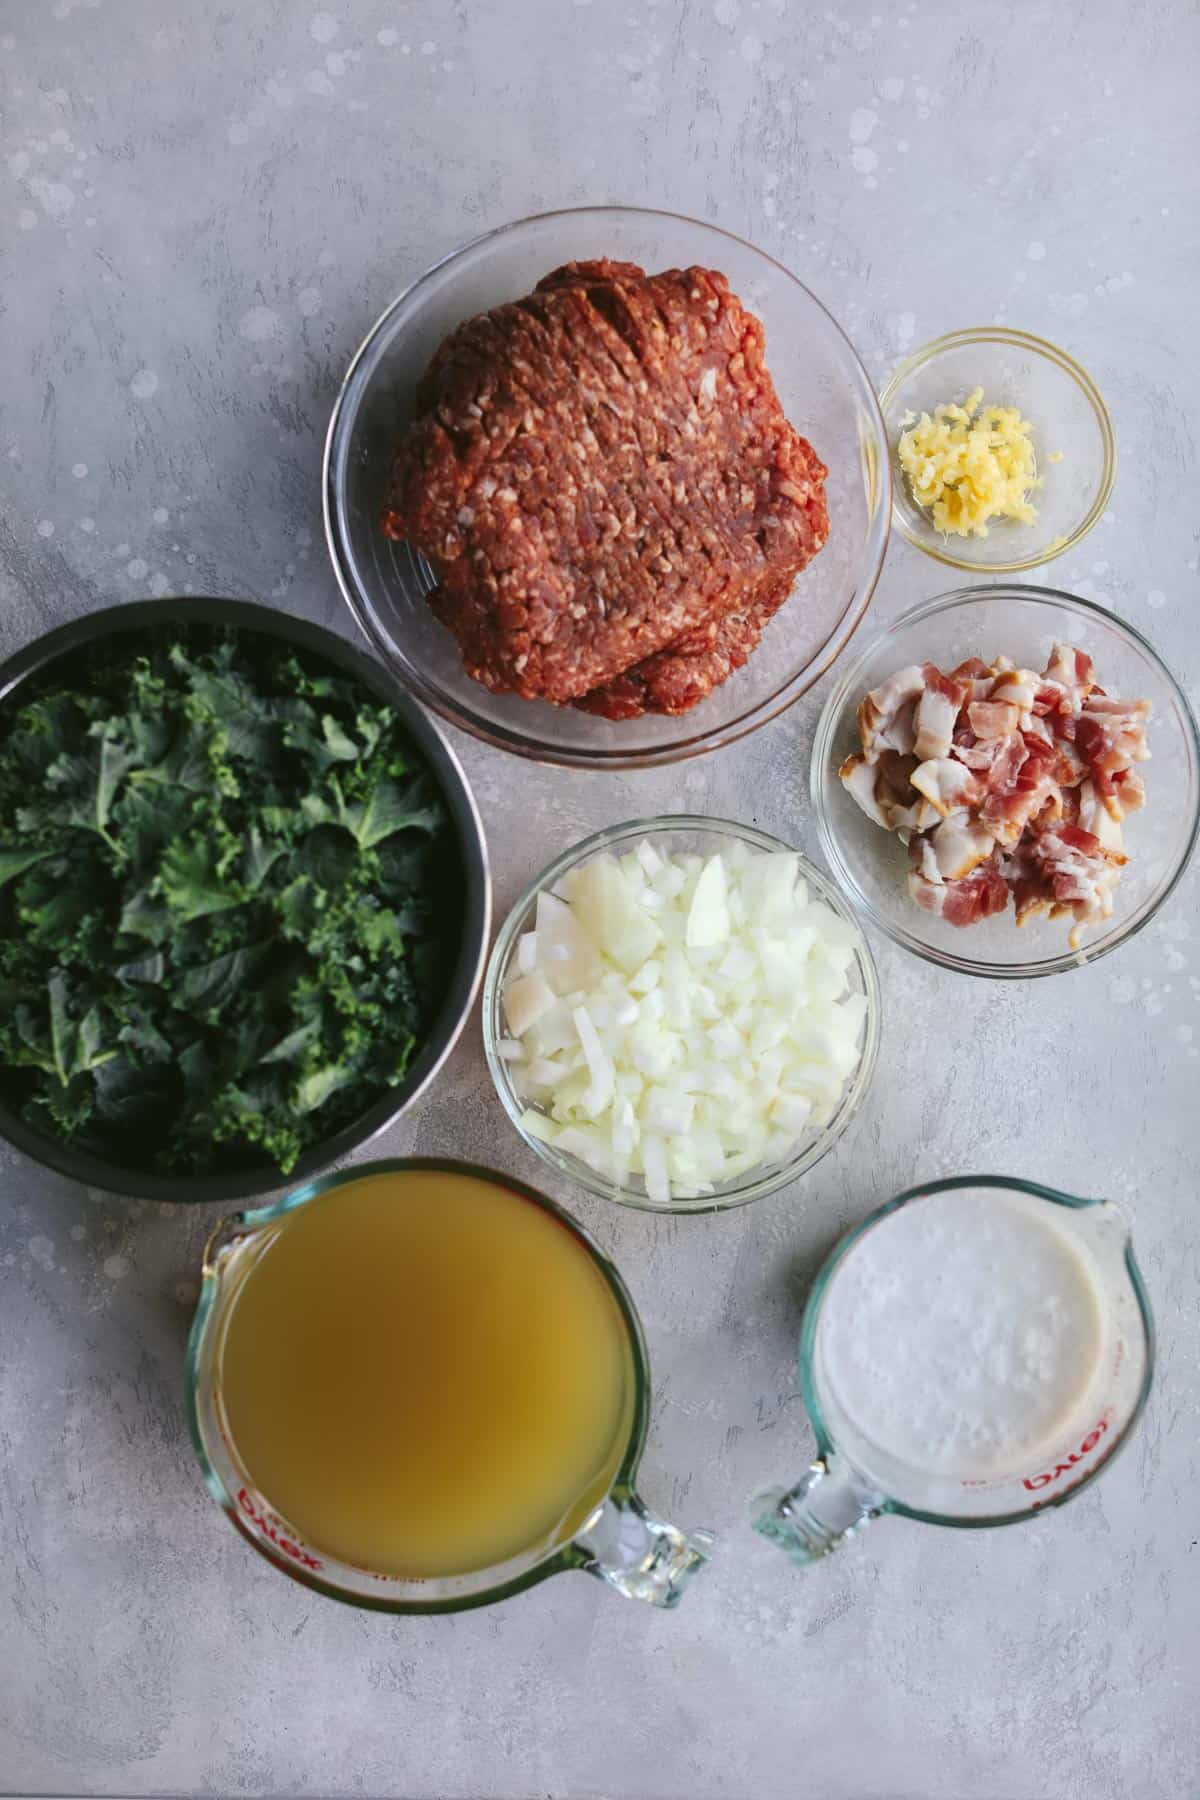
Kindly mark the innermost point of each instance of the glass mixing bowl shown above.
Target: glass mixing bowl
(1067, 413)
(674, 835)
(824, 391)
(871, 864)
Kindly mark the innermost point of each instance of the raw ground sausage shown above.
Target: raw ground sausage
(602, 478)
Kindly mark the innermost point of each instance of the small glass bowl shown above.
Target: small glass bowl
(1067, 412)
(676, 834)
(822, 386)
(871, 864)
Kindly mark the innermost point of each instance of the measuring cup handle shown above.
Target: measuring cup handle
(817, 1515)
(641, 1556)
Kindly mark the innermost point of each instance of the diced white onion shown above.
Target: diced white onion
(682, 1019)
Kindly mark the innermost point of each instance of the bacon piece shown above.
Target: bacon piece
(1128, 793)
(1007, 764)
(992, 718)
(930, 896)
(1064, 764)
(894, 792)
(1050, 697)
(895, 774)
(1017, 685)
(1111, 734)
(961, 903)
(1077, 877)
(1018, 788)
(1094, 816)
(977, 753)
(960, 846)
(1060, 807)
(1123, 792)
(976, 675)
(947, 784)
(920, 815)
(1073, 670)
(858, 777)
(1074, 837)
(983, 893)
(885, 714)
(1002, 780)
(937, 713)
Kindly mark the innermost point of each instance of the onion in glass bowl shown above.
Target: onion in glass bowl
(759, 1059)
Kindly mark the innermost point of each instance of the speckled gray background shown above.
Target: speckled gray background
(201, 209)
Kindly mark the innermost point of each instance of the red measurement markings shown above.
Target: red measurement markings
(263, 1524)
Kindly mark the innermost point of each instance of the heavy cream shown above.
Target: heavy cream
(961, 1334)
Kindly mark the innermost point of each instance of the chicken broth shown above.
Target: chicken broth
(426, 1374)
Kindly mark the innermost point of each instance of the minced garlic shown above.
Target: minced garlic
(970, 464)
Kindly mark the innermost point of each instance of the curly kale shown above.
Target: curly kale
(227, 905)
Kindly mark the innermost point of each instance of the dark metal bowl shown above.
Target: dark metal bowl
(147, 618)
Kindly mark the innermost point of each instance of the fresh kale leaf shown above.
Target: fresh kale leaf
(15, 862)
(192, 883)
(227, 905)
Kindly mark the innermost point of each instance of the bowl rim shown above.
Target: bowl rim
(821, 774)
(1042, 347)
(874, 457)
(35, 658)
(857, 1086)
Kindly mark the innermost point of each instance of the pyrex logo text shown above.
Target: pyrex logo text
(262, 1523)
(1034, 1482)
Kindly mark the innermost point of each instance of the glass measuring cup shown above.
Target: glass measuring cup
(852, 1481)
(620, 1541)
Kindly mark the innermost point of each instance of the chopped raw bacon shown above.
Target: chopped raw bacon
(859, 778)
(978, 753)
(1050, 698)
(959, 847)
(982, 893)
(993, 718)
(1017, 686)
(1129, 791)
(1111, 734)
(1003, 780)
(947, 784)
(1072, 669)
(937, 711)
(885, 715)
(977, 674)
(1072, 837)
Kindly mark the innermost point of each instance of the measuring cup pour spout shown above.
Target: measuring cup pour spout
(605, 1529)
(827, 1505)
(901, 1396)
(641, 1556)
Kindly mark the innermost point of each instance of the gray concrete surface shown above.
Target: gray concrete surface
(201, 208)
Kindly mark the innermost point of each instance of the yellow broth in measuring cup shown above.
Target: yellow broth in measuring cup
(420, 1386)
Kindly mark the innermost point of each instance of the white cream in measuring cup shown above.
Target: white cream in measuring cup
(962, 1335)
(974, 1351)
